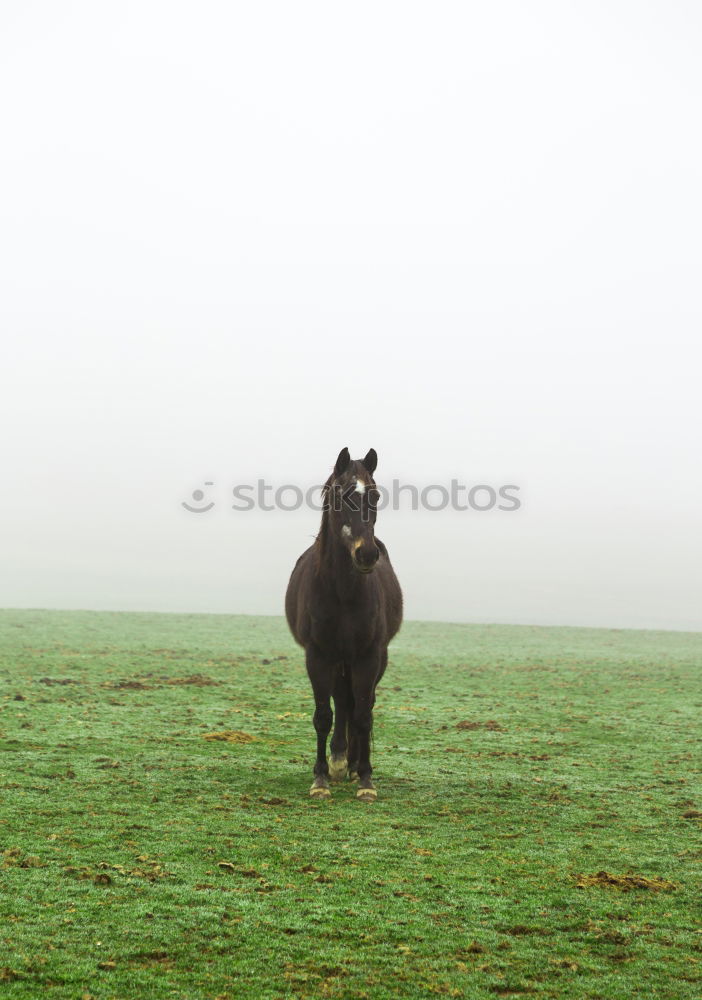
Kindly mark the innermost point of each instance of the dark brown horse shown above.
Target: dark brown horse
(344, 605)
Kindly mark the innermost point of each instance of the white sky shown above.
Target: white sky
(236, 237)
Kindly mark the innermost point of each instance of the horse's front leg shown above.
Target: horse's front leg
(320, 673)
(363, 680)
(338, 765)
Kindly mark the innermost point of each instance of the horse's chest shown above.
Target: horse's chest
(344, 635)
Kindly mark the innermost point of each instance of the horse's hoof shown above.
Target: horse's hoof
(366, 794)
(338, 769)
(320, 789)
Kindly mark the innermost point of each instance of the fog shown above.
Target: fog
(235, 238)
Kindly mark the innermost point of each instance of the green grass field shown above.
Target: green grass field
(143, 860)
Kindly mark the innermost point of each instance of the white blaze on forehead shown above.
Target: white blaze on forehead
(360, 486)
(346, 531)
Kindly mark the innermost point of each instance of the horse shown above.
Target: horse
(344, 605)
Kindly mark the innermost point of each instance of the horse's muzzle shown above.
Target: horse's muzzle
(365, 558)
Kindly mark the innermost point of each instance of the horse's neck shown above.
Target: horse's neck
(336, 570)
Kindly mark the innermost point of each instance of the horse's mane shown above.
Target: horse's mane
(322, 539)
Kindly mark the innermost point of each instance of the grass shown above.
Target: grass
(143, 860)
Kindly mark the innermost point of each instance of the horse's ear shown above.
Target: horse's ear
(371, 460)
(342, 462)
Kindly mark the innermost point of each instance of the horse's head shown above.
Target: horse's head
(352, 500)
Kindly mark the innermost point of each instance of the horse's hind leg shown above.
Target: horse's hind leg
(319, 673)
(338, 764)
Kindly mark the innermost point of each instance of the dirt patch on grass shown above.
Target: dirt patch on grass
(127, 685)
(474, 948)
(491, 724)
(140, 684)
(505, 990)
(623, 882)
(520, 930)
(13, 857)
(148, 869)
(198, 680)
(230, 736)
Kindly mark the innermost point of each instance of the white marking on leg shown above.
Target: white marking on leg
(337, 768)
